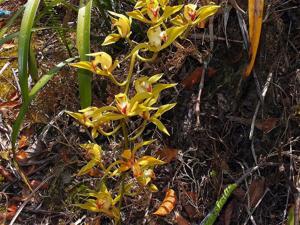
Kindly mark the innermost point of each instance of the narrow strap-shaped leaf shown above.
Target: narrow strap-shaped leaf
(212, 216)
(83, 45)
(255, 10)
(8, 38)
(32, 64)
(24, 45)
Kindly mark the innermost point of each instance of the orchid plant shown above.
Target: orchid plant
(139, 106)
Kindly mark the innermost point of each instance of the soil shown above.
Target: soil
(226, 142)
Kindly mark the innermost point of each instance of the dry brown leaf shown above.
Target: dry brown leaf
(239, 194)
(9, 105)
(12, 102)
(35, 183)
(14, 96)
(256, 191)
(202, 24)
(228, 213)
(23, 142)
(30, 170)
(7, 175)
(195, 77)
(9, 214)
(167, 154)
(2, 24)
(94, 172)
(255, 11)
(267, 125)
(168, 204)
(22, 156)
(180, 220)
(64, 154)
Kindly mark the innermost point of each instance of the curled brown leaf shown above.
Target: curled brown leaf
(168, 204)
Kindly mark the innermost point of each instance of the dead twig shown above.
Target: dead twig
(28, 199)
(4, 67)
(263, 95)
(201, 36)
(198, 101)
(250, 212)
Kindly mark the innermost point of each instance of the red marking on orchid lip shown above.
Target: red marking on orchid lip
(99, 204)
(193, 16)
(154, 12)
(124, 109)
(149, 88)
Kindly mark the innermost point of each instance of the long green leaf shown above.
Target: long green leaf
(32, 64)
(38, 86)
(24, 45)
(212, 216)
(8, 37)
(83, 45)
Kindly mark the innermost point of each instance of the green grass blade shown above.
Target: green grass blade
(36, 88)
(4, 29)
(24, 45)
(32, 64)
(83, 46)
(291, 215)
(211, 218)
(8, 37)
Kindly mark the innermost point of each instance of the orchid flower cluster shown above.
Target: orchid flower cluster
(165, 24)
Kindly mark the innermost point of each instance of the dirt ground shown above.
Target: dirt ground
(240, 124)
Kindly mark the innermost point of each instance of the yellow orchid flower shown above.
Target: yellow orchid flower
(123, 25)
(81, 118)
(133, 106)
(163, 3)
(102, 64)
(145, 84)
(192, 16)
(152, 9)
(154, 118)
(94, 152)
(158, 39)
(143, 3)
(189, 12)
(142, 168)
(102, 202)
(141, 104)
(98, 119)
(161, 110)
